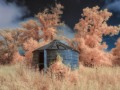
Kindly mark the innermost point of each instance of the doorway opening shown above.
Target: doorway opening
(41, 60)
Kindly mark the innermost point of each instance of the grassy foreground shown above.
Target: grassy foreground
(19, 77)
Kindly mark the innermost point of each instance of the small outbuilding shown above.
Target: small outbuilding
(43, 56)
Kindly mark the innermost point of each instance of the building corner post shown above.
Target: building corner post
(45, 60)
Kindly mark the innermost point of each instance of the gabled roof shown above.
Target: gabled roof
(55, 44)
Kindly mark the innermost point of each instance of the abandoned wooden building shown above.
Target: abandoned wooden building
(45, 54)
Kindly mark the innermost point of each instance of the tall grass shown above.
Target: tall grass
(20, 77)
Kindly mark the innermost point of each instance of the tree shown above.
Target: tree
(10, 41)
(89, 33)
(116, 53)
(46, 25)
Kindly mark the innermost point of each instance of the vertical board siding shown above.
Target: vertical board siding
(35, 61)
(70, 57)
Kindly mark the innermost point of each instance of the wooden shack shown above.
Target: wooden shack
(45, 54)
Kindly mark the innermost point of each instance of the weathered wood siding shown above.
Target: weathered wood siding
(35, 61)
(70, 57)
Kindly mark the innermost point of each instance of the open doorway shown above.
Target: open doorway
(41, 60)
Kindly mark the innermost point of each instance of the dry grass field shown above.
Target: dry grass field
(20, 77)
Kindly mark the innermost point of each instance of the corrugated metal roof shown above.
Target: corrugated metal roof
(55, 44)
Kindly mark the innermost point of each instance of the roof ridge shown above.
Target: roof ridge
(58, 44)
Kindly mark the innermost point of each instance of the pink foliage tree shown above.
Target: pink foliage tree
(116, 53)
(88, 39)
